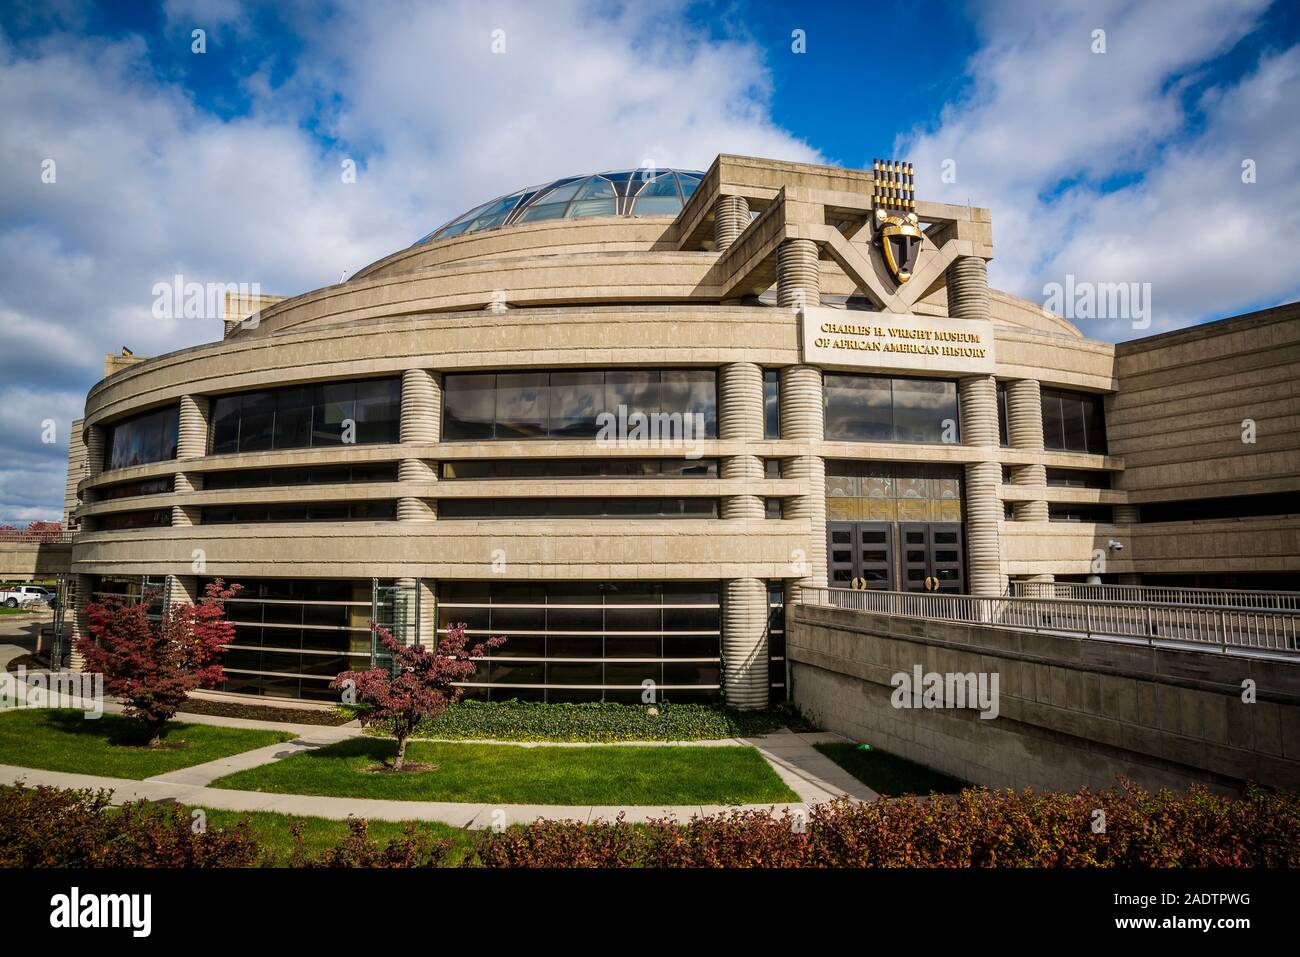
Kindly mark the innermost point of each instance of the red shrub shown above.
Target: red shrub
(977, 828)
(51, 827)
(153, 666)
(418, 686)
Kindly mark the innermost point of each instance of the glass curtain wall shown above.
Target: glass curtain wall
(566, 404)
(358, 412)
(148, 437)
(869, 408)
(591, 641)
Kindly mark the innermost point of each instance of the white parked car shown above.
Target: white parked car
(15, 595)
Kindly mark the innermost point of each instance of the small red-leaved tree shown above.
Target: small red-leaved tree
(154, 665)
(416, 687)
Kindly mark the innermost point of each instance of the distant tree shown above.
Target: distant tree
(40, 531)
(153, 666)
(416, 687)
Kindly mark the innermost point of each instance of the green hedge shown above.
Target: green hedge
(533, 721)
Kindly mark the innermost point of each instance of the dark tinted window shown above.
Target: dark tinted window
(449, 508)
(1077, 478)
(469, 406)
(771, 404)
(865, 408)
(154, 518)
(156, 486)
(580, 468)
(567, 404)
(1063, 512)
(317, 475)
(1003, 434)
(1073, 422)
(149, 437)
(368, 511)
(364, 412)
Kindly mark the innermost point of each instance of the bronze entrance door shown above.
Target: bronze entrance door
(861, 551)
(896, 556)
(931, 557)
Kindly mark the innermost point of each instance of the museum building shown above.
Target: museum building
(622, 418)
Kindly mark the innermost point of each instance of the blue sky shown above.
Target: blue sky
(224, 166)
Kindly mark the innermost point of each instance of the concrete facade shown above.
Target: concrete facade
(724, 285)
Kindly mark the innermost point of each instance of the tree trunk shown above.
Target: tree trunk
(401, 753)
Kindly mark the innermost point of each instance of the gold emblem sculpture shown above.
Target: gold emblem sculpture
(898, 231)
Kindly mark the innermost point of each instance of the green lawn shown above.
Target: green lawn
(508, 774)
(888, 774)
(64, 740)
(319, 834)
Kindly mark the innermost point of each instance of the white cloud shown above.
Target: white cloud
(149, 184)
(1050, 127)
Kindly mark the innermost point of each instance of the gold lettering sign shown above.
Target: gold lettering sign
(892, 342)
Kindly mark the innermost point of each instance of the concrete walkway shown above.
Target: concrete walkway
(465, 815)
(809, 774)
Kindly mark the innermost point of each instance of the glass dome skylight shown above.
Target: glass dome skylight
(628, 192)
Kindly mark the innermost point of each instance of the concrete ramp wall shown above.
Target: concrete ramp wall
(29, 560)
(1072, 712)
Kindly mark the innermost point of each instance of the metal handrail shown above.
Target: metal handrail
(23, 536)
(1209, 625)
(1160, 594)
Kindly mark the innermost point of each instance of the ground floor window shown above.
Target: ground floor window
(591, 641)
(293, 636)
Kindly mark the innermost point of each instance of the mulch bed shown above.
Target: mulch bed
(258, 712)
(30, 662)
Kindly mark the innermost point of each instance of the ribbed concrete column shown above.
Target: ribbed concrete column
(182, 589)
(1035, 477)
(968, 289)
(428, 633)
(803, 419)
(979, 411)
(968, 298)
(983, 512)
(421, 415)
(744, 643)
(184, 515)
(1025, 415)
(802, 407)
(79, 622)
(798, 277)
(192, 441)
(979, 428)
(740, 419)
(1025, 431)
(746, 468)
(412, 508)
(740, 410)
(421, 407)
(1126, 514)
(810, 472)
(730, 217)
(95, 440)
